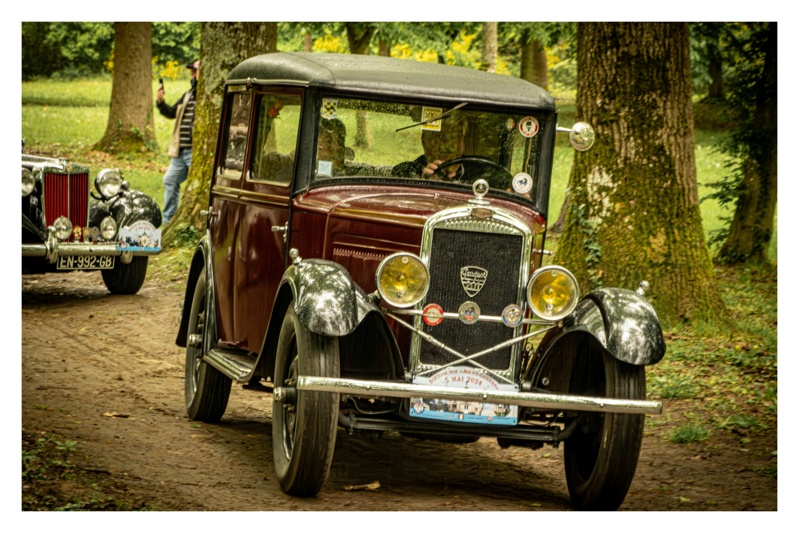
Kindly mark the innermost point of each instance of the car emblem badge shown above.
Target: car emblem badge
(433, 315)
(473, 279)
(512, 315)
(469, 312)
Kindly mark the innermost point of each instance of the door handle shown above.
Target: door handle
(283, 229)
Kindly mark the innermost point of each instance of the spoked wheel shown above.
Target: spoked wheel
(206, 389)
(303, 422)
(602, 455)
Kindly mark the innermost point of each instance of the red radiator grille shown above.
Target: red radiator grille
(66, 195)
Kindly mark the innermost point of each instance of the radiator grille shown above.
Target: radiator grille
(500, 255)
(66, 195)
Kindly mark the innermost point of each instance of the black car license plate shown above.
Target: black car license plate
(85, 262)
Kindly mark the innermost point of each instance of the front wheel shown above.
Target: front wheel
(602, 455)
(206, 389)
(126, 278)
(303, 422)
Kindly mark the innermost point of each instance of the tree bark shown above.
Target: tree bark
(359, 37)
(130, 118)
(490, 46)
(223, 45)
(534, 61)
(753, 221)
(634, 210)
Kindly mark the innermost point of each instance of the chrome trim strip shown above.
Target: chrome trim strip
(53, 251)
(524, 399)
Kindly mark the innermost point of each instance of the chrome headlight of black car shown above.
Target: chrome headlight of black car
(402, 280)
(108, 182)
(552, 292)
(28, 181)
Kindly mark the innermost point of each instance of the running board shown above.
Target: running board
(236, 366)
(566, 402)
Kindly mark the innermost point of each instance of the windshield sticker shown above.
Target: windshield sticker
(427, 114)
(528, 126)
(329, 108)
(141, 236)
(510, 124)
(522, 183)
(462, 410)
(324, 168)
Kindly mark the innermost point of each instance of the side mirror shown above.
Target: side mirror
(581, 136)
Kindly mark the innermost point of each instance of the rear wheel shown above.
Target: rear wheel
(602, 455)
(126, 278)
(303, 422)
(206, 389)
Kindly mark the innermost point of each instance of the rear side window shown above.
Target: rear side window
(235, 142)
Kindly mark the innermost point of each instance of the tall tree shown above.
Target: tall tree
(223, 45)
(752, 186)
(130, 118)
(490, 46)
(359, 37)
(634, 210)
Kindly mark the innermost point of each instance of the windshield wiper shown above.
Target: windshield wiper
(433, 119)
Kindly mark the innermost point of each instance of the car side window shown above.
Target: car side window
(236, 139)
(277, 123)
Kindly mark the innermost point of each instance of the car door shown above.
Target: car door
(225, 208)
(260, 243)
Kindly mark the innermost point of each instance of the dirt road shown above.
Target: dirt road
(103, 371)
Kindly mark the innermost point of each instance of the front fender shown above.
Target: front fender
(326, 299)
(127, 207)
(623, 321)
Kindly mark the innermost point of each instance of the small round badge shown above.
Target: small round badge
(433, 315)
(528, 126)
(469, 312)
(512, 315)
(522, 183)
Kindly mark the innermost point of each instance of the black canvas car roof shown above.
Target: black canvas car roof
(390, 77)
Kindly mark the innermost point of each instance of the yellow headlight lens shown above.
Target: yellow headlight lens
(552, 292)
(402, 280)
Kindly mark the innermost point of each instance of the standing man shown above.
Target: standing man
(180, 144)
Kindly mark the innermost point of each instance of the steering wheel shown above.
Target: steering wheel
(475, 167)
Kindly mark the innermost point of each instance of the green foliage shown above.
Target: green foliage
(689, 433)
(65, 50)
(176, 41)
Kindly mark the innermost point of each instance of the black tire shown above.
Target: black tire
(206, 389)
(602, 455)
(304, 427)
(126, 278)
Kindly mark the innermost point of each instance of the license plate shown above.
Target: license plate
(475, 412)
(85, 262)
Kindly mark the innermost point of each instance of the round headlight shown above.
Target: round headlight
(63, 228)
(108, 228)
(28, 183)
(108, 182)
(552, 292)
(402, 279)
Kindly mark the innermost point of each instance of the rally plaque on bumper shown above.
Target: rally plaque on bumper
(460, 410)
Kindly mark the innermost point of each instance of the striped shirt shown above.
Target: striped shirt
(187, 122)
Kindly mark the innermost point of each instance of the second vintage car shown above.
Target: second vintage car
(66, 226)
(374, 260)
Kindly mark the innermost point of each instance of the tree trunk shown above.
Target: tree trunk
(359, 37)
(753, 221)
(307, 41)
(533, 61)
(634, 212)
(223, 45)
(130, 118)
(490, 46)
(385, 48)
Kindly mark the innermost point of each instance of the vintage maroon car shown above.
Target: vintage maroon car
(373, 259)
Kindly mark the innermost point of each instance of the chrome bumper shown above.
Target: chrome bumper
(568, 402)
(52, 250)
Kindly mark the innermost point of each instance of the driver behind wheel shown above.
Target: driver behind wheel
(439, 146)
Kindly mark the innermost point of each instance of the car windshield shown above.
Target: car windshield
(382, 139)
